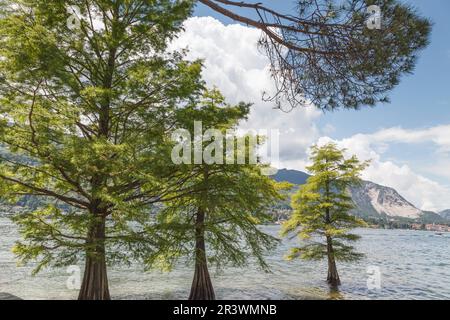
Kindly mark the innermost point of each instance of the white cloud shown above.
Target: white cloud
(234, 64)
(439, 135)
(423, 192)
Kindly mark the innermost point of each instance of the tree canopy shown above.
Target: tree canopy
(324, 52)
(85, 116)
(217, 223)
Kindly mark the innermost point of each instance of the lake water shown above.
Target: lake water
(412, 264)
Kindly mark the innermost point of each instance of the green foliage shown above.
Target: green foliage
(321, 206)
(85, 116)
(334, 60)
(233, 197)
(86, 120)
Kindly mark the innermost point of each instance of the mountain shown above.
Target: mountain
(445, 214)
(373, 200)
(292, 176)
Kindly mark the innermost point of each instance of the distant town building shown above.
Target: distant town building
(437, 227)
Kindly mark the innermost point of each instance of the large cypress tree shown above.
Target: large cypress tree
(86, 106)
(321, 208)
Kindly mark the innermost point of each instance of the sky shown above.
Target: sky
(407, 140)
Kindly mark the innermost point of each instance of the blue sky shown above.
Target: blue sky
(407, 138)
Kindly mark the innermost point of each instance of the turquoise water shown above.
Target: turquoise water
(413, 265)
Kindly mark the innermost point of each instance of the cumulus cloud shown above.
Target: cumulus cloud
(240, 71)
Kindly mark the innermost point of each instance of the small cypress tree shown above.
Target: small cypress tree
(321, 210)
(216, 223)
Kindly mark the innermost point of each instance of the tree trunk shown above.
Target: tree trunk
(202, 288)
(333, 276)
(95, 279)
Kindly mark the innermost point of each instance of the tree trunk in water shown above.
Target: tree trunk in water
(333, 276)
(202, 288)
(95, 279)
